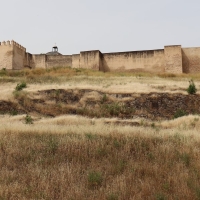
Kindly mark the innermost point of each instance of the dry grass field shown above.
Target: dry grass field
(40, 79)
(76, 157)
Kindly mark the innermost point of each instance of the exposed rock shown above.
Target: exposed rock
(94, 103)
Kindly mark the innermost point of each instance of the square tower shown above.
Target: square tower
(11, 55)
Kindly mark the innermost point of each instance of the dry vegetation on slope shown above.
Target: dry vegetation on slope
(74, 157)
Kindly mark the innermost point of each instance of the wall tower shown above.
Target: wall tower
(11, 55)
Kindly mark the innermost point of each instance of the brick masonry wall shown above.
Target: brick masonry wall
(191, 60)
(6, 55)
(138, 61)
(76, 60)
(11, 55)
(173, 59)
(90, 60)
(58, 61)
(38, 61)
(18, 57)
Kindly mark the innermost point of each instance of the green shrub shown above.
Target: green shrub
(104, 98)
(185, 159)
(120, 166)
(90, 136)
(3, 72)
(13, 112)
(161, 196)
(192, 88)
(179, 113)
(52, 145)
(112, 197)
(78, 70)
(94, 179)
(112, 109)
(20, 86)
(28, 119)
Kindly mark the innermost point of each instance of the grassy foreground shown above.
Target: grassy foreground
(76, 158)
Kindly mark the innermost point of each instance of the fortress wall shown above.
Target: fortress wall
(28, 60)
(38, 61)
(173, 59)
(76, 61)
(58, 61)
(18, 56)
(191, 60)
(149, 61)
(90, 60)
(6, 55)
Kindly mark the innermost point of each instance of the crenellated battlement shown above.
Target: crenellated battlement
(12, 55)
(12, 43)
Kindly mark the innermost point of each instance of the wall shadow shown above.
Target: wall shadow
(185, 63)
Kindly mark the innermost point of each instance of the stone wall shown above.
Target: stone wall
(6, 55)
(38, 61)
(18, 56)
(11, 55)
(58, 61)
(191, 60)
(138, 61)
(76, 60)
(90, 60)
(28, 60)
(173, 59)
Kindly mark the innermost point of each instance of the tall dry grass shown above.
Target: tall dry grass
(60, 74)
(73, 157)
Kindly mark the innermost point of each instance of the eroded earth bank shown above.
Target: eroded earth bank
(94, 103)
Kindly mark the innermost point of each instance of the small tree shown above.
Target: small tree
(192, 88)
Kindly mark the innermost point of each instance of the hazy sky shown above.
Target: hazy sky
(106, 25)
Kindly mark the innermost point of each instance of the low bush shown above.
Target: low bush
(28, 119)
(13, 112)
(112, 197)
(192, 88)
(3, 72)
(161, 196)
(94, 179)
(20, 86)
(179, 113)
(52, 145)
(104, 98)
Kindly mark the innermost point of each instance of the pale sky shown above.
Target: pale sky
(106, 25)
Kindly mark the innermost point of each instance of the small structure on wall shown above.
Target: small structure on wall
(170, 59)
(54, 52)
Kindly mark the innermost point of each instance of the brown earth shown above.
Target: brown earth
(98, 104)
